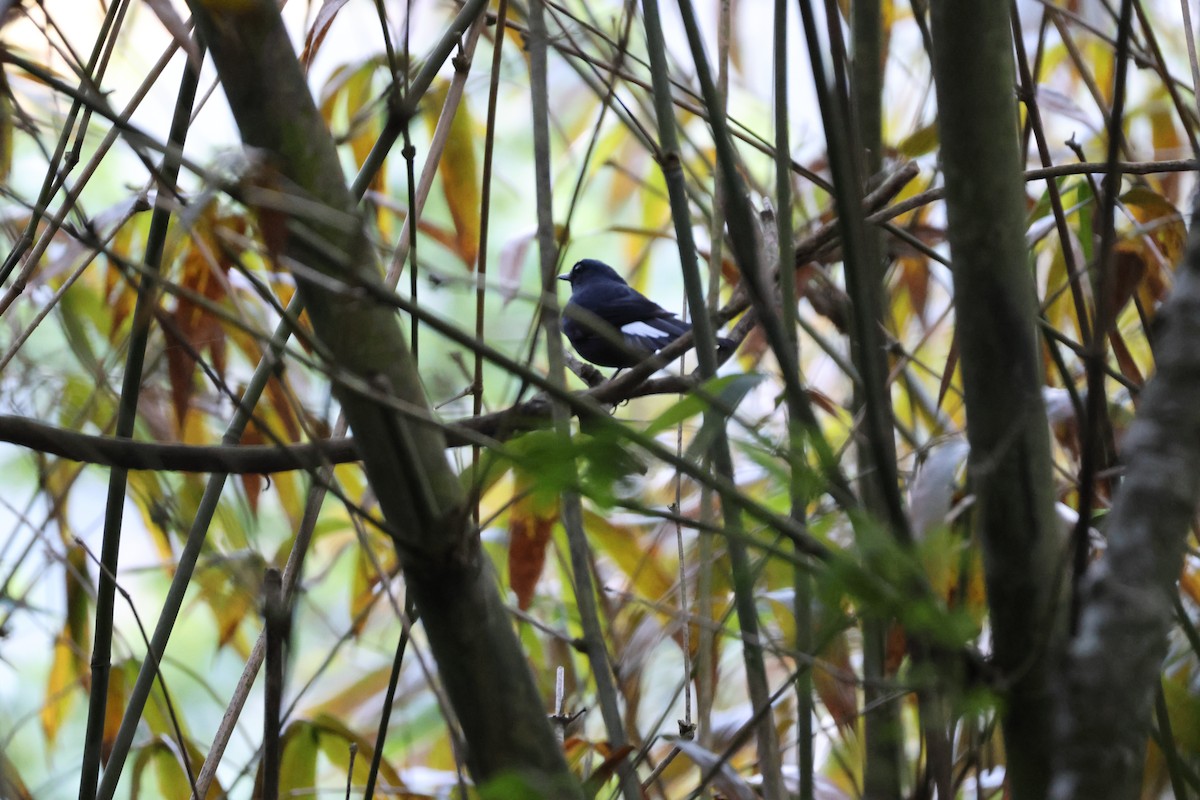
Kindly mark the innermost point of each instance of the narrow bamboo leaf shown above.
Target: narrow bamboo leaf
(11, 785)
(61, 687)
(118, 690)
(729, 390)
(460, 179)
(320, 26)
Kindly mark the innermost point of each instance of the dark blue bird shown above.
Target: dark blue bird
(644, 326)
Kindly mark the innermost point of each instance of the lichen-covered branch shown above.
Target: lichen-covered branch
(1114, 662)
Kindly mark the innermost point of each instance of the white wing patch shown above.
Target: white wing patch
(642, 329)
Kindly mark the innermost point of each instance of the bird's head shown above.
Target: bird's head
(591, 270)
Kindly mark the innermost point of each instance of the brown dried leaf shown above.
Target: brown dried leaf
(320, 26)
(833, 681)
(11, 785)
(1144, 258)
(252, 484)
(914, 277)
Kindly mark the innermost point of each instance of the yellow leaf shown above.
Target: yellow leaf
(1146, 254)
(368, 567)
(146, 489)
(1164, 134)
(621, 545)
(1183, 709)
(69, 669)
(60, 688)
(919, 142)
(161, 754)
(1159, 220)
(460, 179)
(114, 710)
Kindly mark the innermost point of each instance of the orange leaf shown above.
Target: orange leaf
(1129, 367)
(608, 767)
(895, 648)
(530, 523)
(1129, 268)
(285, 412)
(252, 483)
(195, 328)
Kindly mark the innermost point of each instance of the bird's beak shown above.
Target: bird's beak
(564, 277)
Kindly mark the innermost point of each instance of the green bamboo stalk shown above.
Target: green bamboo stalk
(131, 383)
(797, 495)
(480, 661)
(571, 510)
(995, 311)
(669, 159)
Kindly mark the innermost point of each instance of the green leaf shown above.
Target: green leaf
(298, 761)
(729, 391)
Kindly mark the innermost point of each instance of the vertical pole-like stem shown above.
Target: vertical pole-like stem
(995, 307)
(797, 495)
(571, 511)
(131, 383)
(743, 574)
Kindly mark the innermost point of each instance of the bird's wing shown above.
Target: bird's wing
(654, 334)
(620, 305)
